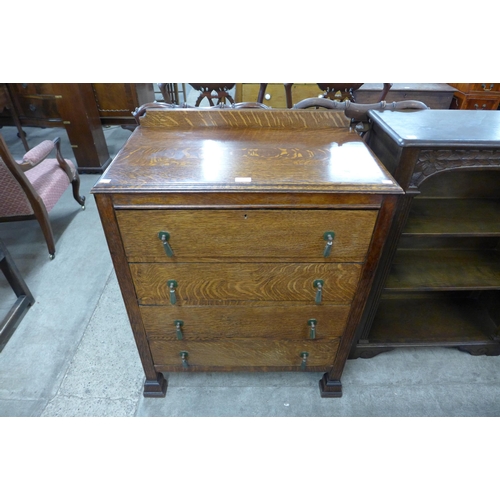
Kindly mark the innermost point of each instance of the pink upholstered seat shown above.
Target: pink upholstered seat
(32, 188)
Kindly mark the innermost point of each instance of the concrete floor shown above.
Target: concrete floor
(73, 354)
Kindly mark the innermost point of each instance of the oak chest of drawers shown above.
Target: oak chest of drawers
(245, 239)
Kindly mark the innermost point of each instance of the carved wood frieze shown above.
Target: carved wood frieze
(432, 161)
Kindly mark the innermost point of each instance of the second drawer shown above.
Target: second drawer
(234, 284)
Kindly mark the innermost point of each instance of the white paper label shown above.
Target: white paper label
(242, 179)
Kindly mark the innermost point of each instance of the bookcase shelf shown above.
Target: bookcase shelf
(439, 280)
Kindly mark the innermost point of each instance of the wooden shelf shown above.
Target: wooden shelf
(450, 319)
(454, 217)
(444, 269)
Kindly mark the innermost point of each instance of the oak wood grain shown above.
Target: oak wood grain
(244, 353)
(216, 322)
(196, 235)
(226, 284)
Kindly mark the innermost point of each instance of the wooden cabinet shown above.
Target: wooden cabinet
(435, 95)
(479, 96)
(244, 239)
(67, 105)
(116, 101)
(439, 279)
(82, 109)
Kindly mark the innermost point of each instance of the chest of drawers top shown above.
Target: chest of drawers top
(246, 150)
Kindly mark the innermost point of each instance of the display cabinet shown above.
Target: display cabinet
(439, 280)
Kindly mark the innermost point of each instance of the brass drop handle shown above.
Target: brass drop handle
(164, 237)
(172, 285)
(304, 356)
(184, 356)
(483, 85)
(312, 331)
(328, 237)
(178, 328)
(477, 106)
(318, 284)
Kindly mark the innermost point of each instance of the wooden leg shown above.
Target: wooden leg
(24, 297)
(262, 91)
(330, 388)
(155, 388)
(76, 192)
(484, 350)
(43, 219)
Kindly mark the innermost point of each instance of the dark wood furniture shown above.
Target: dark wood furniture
(82, 109)
(117, 101)
(30, 189)
(435, 95)
(211, 91)
(438, 283)
(7, 104)
(245, 239)
(24, 298)
(482, 96)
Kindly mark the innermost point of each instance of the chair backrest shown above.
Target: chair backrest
(14, 186)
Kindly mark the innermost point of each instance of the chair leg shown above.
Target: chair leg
(43, 219)
(75, 184)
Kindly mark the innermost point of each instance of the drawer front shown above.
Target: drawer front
(197, 235)
(43, 107)
(243, 354)
(483, 103)
(281, 322)
(233, 284)
(485, 87)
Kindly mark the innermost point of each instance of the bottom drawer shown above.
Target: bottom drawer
(243, 354)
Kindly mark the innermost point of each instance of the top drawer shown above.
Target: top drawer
(218, 235)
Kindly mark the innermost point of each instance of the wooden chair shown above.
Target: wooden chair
(29, 190)
(213, 91)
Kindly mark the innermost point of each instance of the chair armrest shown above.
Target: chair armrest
(37, 154)
(71, 171)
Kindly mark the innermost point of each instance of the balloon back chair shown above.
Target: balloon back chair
(29, 190)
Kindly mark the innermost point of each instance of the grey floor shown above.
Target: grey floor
(73, 354)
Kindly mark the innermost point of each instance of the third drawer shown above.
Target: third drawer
(301, 322)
